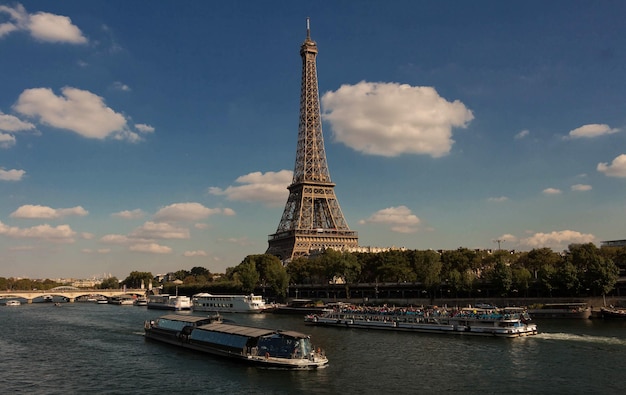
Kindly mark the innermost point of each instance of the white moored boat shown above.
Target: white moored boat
(13, 302)
(506, 322)
(228, 303)
(169, 302)
(266, 348)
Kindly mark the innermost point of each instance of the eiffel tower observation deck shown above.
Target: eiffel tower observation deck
(312, 219)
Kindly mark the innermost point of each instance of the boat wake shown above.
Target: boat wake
(613, 341)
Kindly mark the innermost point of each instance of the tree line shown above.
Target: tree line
(581, 270)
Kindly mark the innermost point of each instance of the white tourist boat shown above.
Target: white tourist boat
(506, 322)
(265, 348)
(228, 303)
(13, 302)
(122, 300)
(169, 302)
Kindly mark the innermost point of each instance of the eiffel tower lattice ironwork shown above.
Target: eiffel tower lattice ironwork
(312, 219)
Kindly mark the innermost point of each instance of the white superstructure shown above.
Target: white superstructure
(228, 303)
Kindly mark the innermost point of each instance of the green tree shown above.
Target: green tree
(501, 277)
(246, 275)
(135, 279)
(110, 283)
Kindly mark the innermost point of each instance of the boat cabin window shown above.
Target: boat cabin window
(283, 346)
(171, 324)
(224, 339)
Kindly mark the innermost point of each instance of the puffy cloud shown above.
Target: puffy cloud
(522, 134)
(194, 253)
(551, 191)
(42, 26)
(400, 218)
(29, 211)
(129, 214)
(591, 131)
(77, 110)
(557, 240)
(581, 187)
(143, 128)
(506, 238)
(159, 230)
(151, 248)
(269, 188)
(115, 239)
(11, 175)
(11, 123)
(498, 199)
(616, 169)
(60, 234)
(390, 119)
(6, 140)
(185, 212)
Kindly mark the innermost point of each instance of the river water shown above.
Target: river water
(87, 348)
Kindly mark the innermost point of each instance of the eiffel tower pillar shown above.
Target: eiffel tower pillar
(312, 219)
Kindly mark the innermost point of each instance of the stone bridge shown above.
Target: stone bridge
(70, 293)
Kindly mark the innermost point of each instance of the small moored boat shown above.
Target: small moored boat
(613, 312)
(264, 348)
(13, 302)
(228, 303)
(169, 302)
(561, 310)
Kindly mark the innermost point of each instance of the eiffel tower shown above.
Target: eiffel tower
(312, 219)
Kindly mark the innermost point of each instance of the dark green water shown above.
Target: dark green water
(85, 348)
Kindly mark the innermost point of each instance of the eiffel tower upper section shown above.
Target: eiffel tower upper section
(312, 219)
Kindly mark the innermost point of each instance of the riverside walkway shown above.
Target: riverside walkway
(70, 293)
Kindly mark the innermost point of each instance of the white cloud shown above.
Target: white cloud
(60, 234)
(591, 131)
(269, 188)
(11, 123)
(557, 240)
(185, 212)
(42, 26)
(616, 169)
(115, 239)
(11, 175)
(98, 251)
(390, 119)
(6, 140)
(77, 110)
(581, 187)
(498, 199)
(551, 191)
(143, 128)
(151, 248)
(400, 218)
(522, 134)
(159, 230)
(129, 214)
(121, 87)
(194, 253)
(29, 211)
(506, 238)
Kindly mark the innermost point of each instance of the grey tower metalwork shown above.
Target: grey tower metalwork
(312, 219)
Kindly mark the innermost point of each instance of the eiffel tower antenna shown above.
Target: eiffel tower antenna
(312, 219)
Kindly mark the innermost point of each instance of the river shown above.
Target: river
(87, 348)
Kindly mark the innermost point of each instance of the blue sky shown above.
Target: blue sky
(157, 136)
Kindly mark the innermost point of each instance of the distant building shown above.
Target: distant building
(613, 243)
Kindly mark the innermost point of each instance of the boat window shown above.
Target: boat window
(281, 346)
(173, 325)
(225, 339)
